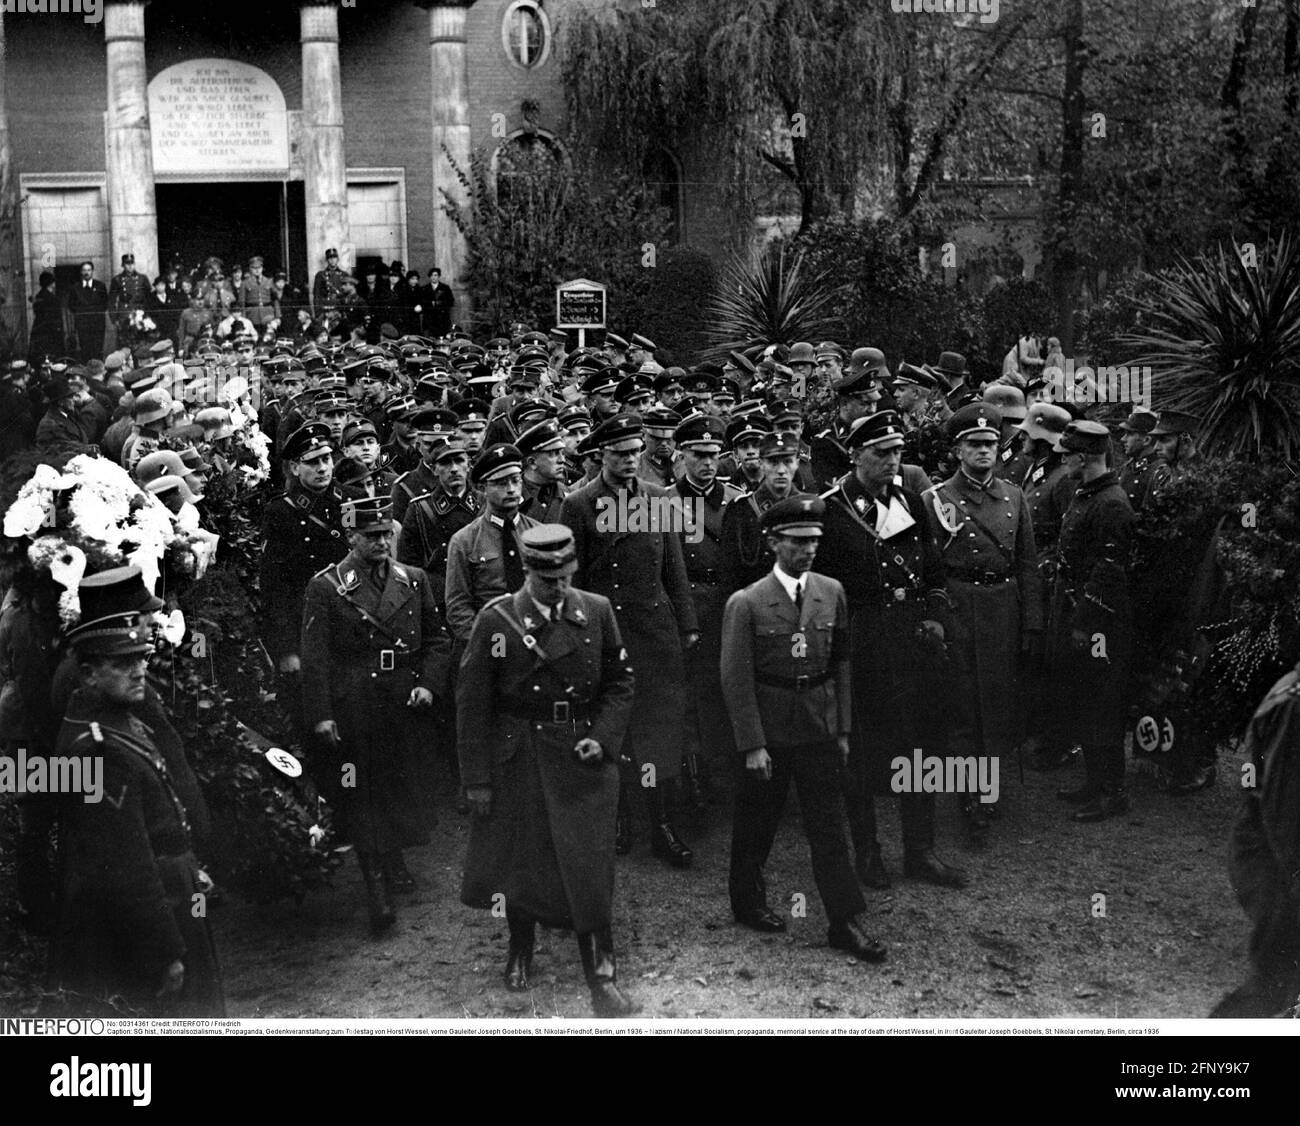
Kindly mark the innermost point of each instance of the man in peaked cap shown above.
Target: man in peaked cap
(791, 718)
(986, 535)
(670, 388)
(302, 530)
(625, 554)
(542, 448)
(375, 653)
(432, 518)
(635, 393)
(1175, 584)
(856, 395)
(540, 730)
(705, 498)
(430, 427)
(1049, 486)
(126, 930)
(745, 554)
(657, 463)
(615, 348)
(1092, 628)
(880, 544)
(741, 464)
(1137, 474)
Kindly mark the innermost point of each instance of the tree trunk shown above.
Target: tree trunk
(13, 291)
(1291, 58)
(1064, 253)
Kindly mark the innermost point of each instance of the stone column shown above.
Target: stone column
(450, 119)
(325, 169)
(132, 211)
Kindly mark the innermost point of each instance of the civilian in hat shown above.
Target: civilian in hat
(856, 395)
(745, 554)
(127, 294)
(46, 337)
(705, 499)
(61, 430)
(18, 411)
(986, 536)
(542, 448)
(644, 576)
(433, 518)
(1092, 621)
(127, 939)
(954, 375)
(375, 652)
(541, 725)
(790, 715)
(88, 302)
(880, 544)
(438, 300)
(483, 559)
(657, 463)
(302, 530)
(1137, 474)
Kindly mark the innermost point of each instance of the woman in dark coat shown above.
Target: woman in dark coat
(47, 337)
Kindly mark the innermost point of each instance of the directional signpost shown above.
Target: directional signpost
(580, 304)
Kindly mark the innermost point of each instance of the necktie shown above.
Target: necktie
(510, 553)
(798, 597)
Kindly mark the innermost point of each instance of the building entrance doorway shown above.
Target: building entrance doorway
(234, 221)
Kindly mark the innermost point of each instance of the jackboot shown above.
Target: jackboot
(871, 869)
(694, 783)
(396, 875)
(664, 841)
(607, 1000)
(382, 915)
(519, 961)
(622, 826)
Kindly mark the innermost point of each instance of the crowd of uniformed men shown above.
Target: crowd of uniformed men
(864, 563)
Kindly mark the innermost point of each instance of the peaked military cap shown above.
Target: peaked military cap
(542, 436)
(496, 461)
(368, 514)
(800, 515)
(620, 428)
(883, 429)
(548, 549)
(975, 420)
(309, 439)
(1085, 437)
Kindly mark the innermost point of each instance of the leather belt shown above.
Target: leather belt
(557, 711)
(797, 683)
(390, 660)
(980, 578)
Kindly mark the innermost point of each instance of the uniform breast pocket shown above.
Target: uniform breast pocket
(484, 559)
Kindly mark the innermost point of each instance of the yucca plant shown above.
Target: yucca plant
(1221, 333)
(768, 298)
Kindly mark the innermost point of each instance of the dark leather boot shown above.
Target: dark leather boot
(926, 866)
(694, 784)
(622, 827)
(519, 962)
(382, 915)
(607, 1000)
(664, 841)
(396, 875)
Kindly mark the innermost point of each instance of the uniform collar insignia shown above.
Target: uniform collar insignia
(577, 615)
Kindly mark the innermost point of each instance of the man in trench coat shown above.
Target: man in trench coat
(639, 567)
(542, 702)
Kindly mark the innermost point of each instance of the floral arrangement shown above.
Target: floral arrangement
(91, 513)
